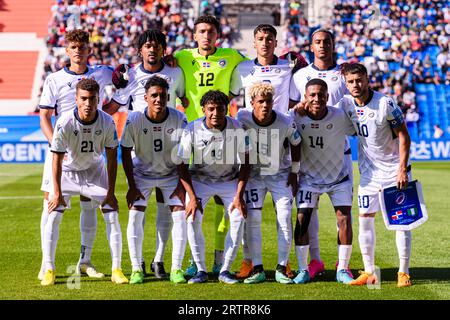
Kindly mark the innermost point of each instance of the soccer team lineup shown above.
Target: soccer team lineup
(183, 140)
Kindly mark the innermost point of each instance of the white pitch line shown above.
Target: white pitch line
(35, 197)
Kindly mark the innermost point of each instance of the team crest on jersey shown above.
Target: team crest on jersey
(75, 132)
(98, 132)
(86, 130)
(322, 74)
(359, 112)
(206, 64)
(329, 126)
(145, 130)
(265, 69)
(222, 63)
(156, 129)
(314, 126)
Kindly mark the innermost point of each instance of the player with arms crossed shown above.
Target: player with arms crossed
(220, 166)
(383, 158)
(323, 67)
(78, 144)
(323, 170)
(272, 135)
(151, 46)
(58, 98)
(153, 134)
(205, 68)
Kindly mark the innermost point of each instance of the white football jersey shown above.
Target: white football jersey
(155, 144)
(333, 77)
(378, 146)
(278, 75)
(270, 144)
(60, 88)
(83, 142)
(322, 148)
(136, 86)
(214, 155)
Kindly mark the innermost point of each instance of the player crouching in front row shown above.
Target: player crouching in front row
(220, 166)
(272, 134)
(78, 143)
(323, 130)
(153, 133)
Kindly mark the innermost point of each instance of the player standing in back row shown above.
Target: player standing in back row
(383, 158)
(151, 47)
(205, 68)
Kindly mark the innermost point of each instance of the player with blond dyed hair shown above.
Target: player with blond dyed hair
(273, 135)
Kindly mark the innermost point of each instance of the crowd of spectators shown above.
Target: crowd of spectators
(115, 25)
(401, 42)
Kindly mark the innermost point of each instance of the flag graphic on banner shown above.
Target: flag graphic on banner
(412, 212)
(397, 215)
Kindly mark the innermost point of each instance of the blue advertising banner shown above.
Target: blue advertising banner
(421, 150)
(403, 209)
(23, 152)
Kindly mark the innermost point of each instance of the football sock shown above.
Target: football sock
(220, 228)
(367, 241)
(313, 233)
(345, 252)
(51, 236)
(114, 235)
(163, 227)
(44, 218)
(245, 246)
(88, 228)
(284, 233)
(403, 240)
(179, 238)
(197, 240)
(302, 256)
(218, 256)
(254, 236)
(143, 230)
(135, 237)
(233, 239)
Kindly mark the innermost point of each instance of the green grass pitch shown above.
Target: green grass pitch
(20, 211)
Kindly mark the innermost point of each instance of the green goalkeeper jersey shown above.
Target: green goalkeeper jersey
(207, 73)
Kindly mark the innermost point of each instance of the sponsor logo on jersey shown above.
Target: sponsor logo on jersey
(371, 114)
(169, 131)
(359, 112)
(277, 70)
(308, 78)
(156, 129)
(75, 132)
(303, 126)
(400, 198)
(265, 69)
(206, 64)
(86, 130)
(329, 126)
(193, 62)
(205, 142)
(314, 126)
(145, 130)
(222, 63)
(98, 132)
(334, 78)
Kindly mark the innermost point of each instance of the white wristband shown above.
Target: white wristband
(295, 167)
